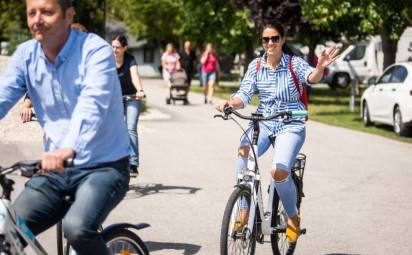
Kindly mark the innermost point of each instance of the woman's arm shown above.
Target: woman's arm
(204, 58)
(136, 81)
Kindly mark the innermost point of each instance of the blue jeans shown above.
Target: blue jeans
(132, 111)
(96, 191)
(287, 146)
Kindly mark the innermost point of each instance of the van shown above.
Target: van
(358, 61)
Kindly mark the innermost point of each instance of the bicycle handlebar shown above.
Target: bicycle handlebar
(259, 117)
(30, 167)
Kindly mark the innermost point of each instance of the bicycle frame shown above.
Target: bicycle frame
(252, 179)
(12, 226)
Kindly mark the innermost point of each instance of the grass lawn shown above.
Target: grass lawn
(325, 106)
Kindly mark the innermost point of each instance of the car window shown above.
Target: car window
(386, 76)
(399, 74)
(357, 53)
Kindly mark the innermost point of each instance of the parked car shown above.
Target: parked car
(388, 100)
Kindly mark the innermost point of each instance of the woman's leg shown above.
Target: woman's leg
(287, 146)
(211, 86)
(132, 117)
(241, 164)
(205, 78)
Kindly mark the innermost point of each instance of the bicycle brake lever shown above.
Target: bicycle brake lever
(221, 116)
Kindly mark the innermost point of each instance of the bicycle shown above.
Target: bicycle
(241, 239)
(119, 239)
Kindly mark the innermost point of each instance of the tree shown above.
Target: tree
(154, 20)
(13, 27)
(355, 19)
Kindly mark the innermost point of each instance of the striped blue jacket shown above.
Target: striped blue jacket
(276, 89)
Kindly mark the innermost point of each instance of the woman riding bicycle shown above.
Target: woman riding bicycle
(130, 82)
(272, 75)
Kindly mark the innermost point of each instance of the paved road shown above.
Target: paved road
(357, 185)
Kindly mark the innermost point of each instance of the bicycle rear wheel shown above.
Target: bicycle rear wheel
(280, 245)
(235, 237)
(124, 242)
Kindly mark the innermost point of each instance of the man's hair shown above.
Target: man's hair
(65, 4)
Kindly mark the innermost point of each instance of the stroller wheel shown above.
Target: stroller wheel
(167, 100)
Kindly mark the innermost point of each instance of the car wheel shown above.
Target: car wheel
(365, 115)
(398, 126)
(341, 80)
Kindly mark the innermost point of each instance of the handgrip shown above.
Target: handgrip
(299, 113)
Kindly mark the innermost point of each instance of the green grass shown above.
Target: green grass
(326, 106)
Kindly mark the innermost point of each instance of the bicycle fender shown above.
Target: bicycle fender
(124, 226)
(242, 186)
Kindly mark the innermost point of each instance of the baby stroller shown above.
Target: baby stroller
(179, 87)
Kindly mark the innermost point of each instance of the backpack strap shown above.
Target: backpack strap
(259, 63)
(303, 96)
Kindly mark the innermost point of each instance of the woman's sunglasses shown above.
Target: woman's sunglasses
(274, 39)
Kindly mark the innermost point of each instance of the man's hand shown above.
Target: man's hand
(26, 114)
(54, 160)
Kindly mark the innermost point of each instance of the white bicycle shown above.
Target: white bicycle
(118, 237)
(240, 237)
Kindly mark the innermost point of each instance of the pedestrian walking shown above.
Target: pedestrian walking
(210, 71)
(170, 63)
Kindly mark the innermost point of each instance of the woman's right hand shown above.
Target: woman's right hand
(223, 105)
(26, 114)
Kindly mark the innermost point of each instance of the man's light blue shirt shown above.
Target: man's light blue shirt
(77, 99)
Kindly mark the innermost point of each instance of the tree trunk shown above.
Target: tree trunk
(389, 46)
(312, 59)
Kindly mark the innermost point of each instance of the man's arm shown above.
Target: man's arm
(12, 83)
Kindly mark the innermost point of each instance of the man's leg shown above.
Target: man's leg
(41, 203)
(97, 194)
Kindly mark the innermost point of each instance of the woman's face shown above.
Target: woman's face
(118, 48)
(272, 41)
(169, 49)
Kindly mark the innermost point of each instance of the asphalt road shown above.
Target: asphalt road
(357, 185)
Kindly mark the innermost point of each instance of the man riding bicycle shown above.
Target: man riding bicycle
(71, 79)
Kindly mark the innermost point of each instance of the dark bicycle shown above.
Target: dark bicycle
(118, 237)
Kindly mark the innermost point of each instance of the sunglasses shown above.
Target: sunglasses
(274, 39)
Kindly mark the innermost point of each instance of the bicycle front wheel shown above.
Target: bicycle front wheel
(280, 245)
(235, 236)
(124, 242)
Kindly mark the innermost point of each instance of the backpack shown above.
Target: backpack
(303, 94)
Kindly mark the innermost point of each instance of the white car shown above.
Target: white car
(388, 100)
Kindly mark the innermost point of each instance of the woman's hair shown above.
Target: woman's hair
(121, 39)
(274, 24)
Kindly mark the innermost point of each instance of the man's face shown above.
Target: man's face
(46, 20)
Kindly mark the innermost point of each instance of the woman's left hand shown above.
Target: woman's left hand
(327, 57)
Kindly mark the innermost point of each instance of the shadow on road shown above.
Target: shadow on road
(188, 249)
(141, 190)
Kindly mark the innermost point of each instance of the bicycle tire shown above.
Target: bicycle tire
(278, 241)
(118, 240)
(228, 231)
